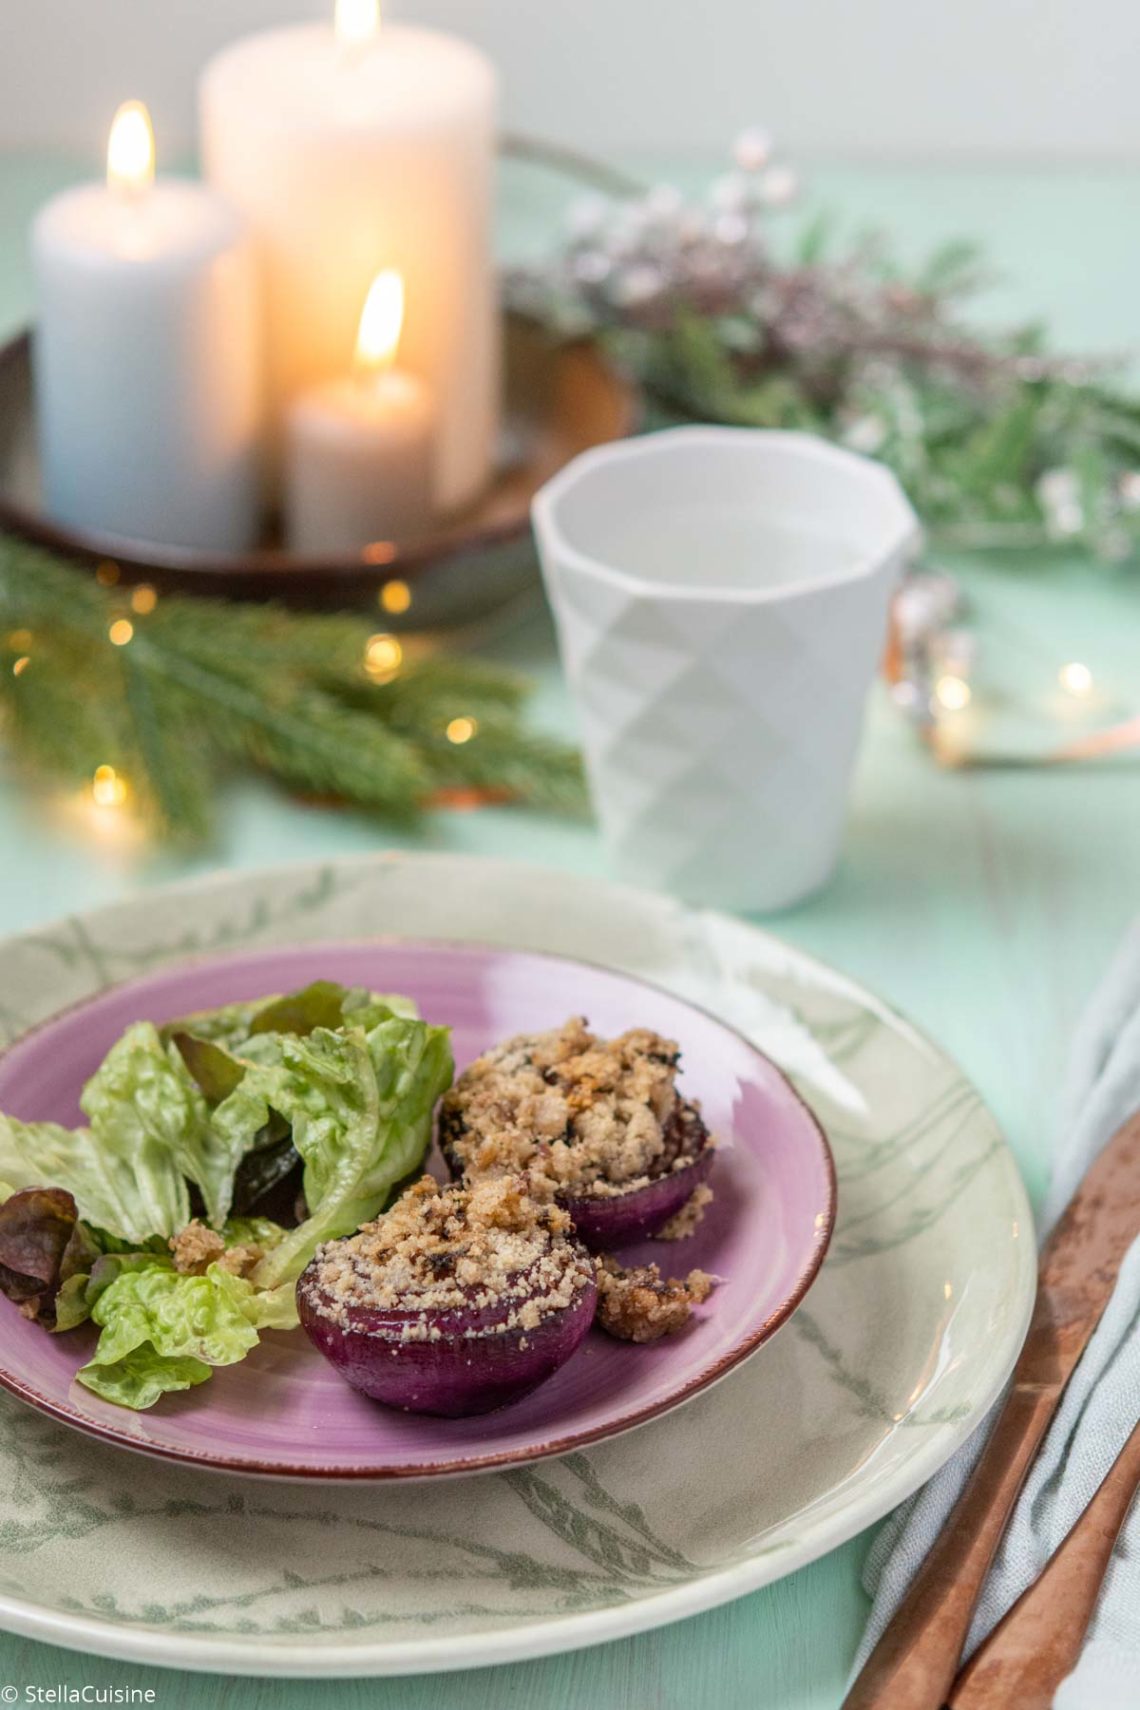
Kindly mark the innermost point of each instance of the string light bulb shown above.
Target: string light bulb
(1076, 679)
(108, 789)
(120, 632)
(395, 597)
(952, 693)
(461, 730)
(383, 656)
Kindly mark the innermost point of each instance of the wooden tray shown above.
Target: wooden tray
(560, 400)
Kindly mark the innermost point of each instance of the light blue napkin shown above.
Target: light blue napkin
(1097, 1413)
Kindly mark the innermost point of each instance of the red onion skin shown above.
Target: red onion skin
(471, 1367)
(615, 1220)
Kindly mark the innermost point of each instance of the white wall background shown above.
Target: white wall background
(1014, 79)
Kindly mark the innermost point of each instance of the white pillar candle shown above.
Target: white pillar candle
(148, 355)
(358, 450)
(356, 148)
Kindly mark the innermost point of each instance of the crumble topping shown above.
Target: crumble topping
(197, 1247)
(499, 1243)
(592, 1116)
(640, 1305)
(682, 1223)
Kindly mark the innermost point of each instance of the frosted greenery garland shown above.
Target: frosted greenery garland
(998, 443)
(144, 702)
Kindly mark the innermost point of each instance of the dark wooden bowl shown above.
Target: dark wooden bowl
(560, 400)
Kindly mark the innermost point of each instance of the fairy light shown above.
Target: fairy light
(379, 552)
(108, 789)
(952, 693)
(21, 665)
(461, 730)
(395, 597)
(1076, 679)
(19, 640)
(143, 599)
(383, 656)
(107, 573)
(120, 632)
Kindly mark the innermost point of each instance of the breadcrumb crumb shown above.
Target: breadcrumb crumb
(682, 1223)
(640, 1305)
(197, 1247)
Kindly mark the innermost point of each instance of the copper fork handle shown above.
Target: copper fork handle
(914, 1663)
(1037, 1642)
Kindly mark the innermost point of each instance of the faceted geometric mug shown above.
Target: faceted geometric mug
(721, 596)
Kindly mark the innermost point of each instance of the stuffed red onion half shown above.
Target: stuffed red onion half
(456, 1301)
(600, 1120)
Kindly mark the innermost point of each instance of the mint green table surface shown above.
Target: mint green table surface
(984, 904)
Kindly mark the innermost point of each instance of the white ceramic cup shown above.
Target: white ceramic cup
(721, 596)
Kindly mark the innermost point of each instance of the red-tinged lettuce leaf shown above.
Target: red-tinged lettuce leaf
(216, 1071)
(42, 1244)
(320, 1004)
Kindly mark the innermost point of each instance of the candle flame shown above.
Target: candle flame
(381, 323)
(356, 21)
(130, 149)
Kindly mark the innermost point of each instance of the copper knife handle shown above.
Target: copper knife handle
(1037, 1642)
(914, 1664)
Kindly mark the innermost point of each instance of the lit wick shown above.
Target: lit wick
(381, 323)
(356, 22)
(130, 150)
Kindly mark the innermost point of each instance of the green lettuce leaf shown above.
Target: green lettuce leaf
(143, 1103)
(252, 1231)
(360, 1105)
(144, 1377)
(226, 1027)
(71, 1308)
(196, 1104)
(77, 1297)
(323, 1003)
(162, 1330)
(131, 1198)
(80, 1290)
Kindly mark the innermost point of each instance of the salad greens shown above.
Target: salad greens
(220, 1151)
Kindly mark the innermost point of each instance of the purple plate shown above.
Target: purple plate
(284, 1412)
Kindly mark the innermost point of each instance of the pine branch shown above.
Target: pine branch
(992, 435)
(191, 687)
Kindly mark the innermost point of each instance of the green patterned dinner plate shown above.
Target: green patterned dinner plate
(906, 1337)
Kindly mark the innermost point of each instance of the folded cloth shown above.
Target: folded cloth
(1099, 1408)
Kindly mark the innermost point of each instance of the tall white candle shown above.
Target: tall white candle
(148, 355)
(356, 148)
(358, 449)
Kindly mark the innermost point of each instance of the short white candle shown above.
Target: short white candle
(148, 355)
(357, 147)
(358, 450)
